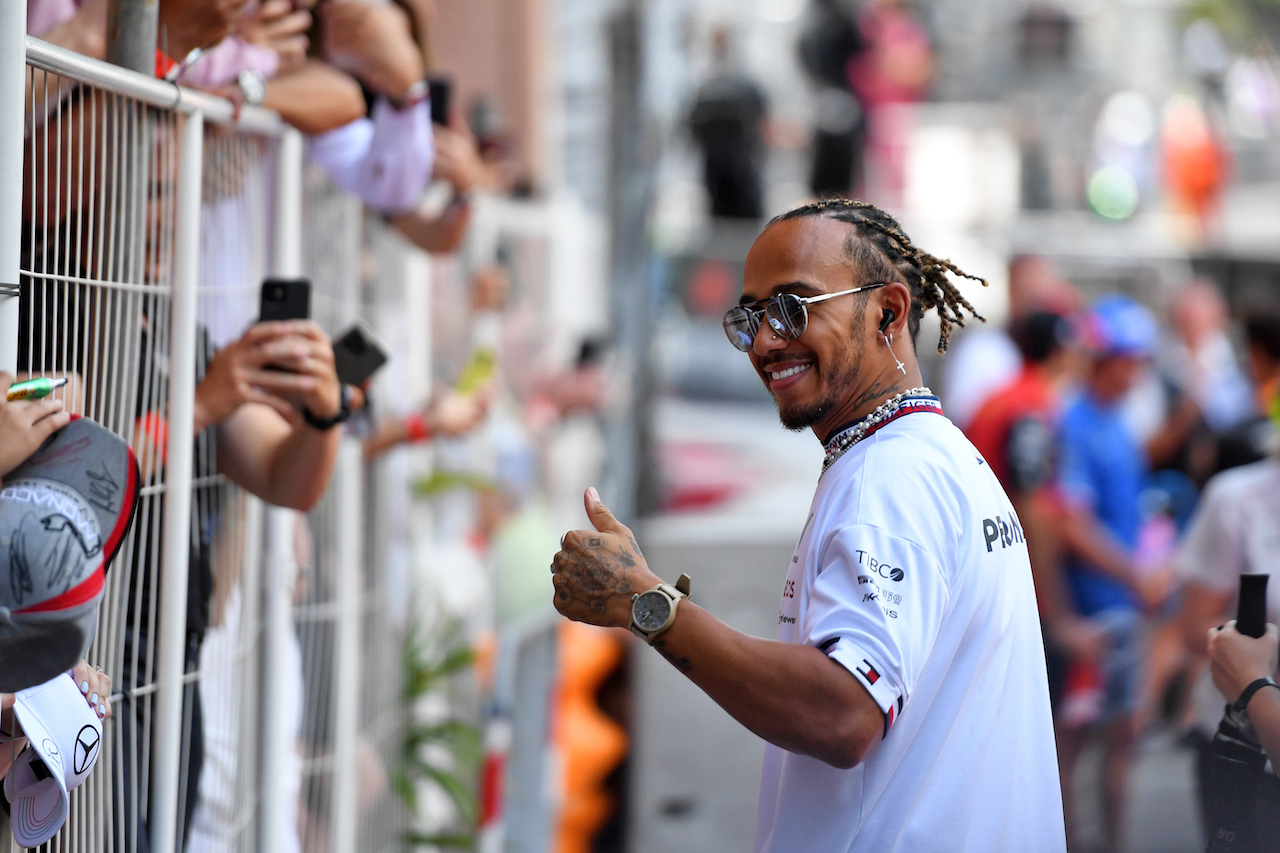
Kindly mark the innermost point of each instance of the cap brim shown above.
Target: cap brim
(37, 807)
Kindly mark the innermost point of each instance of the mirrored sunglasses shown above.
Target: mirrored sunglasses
(786, 313)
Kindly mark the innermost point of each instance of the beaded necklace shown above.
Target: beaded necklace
(907, 402)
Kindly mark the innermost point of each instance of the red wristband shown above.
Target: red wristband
(415, 427)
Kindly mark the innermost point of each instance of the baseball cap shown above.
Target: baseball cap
(64, 737)
(1118, 325)
(64, 513)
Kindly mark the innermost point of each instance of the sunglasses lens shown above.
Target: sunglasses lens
(787, 316)
(740, 327)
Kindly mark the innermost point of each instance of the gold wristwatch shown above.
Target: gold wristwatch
(654, 610)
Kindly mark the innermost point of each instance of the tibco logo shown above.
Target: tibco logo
(884, 570)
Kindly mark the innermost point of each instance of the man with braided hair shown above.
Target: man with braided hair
(904, 700)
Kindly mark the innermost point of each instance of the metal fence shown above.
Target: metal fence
(257, 653)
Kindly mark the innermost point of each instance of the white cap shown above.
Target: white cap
(64, 736)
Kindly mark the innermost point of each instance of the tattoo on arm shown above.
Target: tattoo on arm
(682, 664)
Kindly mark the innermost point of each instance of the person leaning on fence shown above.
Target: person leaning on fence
(905, 701)
(269, 402)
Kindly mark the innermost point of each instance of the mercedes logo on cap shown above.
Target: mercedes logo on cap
(86, 748)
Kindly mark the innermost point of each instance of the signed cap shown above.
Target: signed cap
(64, 737)
(63, 515)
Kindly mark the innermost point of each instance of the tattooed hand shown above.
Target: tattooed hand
(597, 571)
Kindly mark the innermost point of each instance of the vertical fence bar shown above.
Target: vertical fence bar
(176, 542)
(13, 71)
(277, 739)
(348, 589)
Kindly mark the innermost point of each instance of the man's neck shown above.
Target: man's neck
(867, 399)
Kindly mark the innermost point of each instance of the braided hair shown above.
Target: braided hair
(885, 253)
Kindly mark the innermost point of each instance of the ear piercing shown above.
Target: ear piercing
(888, 341)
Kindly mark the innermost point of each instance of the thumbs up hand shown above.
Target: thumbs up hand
(596, 572)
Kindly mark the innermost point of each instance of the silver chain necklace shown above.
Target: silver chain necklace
(840, 444)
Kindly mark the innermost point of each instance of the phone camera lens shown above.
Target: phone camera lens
(277, 293)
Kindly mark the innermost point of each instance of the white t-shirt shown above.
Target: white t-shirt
(1236, 529)
(912, 572)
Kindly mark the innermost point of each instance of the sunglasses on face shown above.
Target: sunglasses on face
(787, 315)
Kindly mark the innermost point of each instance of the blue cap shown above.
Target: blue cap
(1118, 325)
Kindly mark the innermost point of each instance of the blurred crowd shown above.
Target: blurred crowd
(1141, 455)
(272, 399)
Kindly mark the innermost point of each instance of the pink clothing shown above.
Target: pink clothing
(221, 64)
(44, 15)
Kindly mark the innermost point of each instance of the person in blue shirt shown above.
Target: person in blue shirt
(1103, 467)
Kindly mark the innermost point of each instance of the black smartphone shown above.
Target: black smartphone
(358, 353)
(285, 299)
(1251, 610)
(440, 89)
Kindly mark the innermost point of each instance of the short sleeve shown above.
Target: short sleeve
(1212, 554)
(1029, 454)
(875, 607)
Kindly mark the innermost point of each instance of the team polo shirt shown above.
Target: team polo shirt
(1014, 430)
(913, 574)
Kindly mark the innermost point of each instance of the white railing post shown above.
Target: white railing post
(277, 738)
(176, 534)
(13, 71)
(345, 687)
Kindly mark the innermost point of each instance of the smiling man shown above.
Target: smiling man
(904, 700)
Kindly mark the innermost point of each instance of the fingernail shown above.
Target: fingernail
(93, 700)
(593, 494)
(102, 711)
(84, 687)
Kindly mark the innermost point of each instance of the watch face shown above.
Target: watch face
(651, 611)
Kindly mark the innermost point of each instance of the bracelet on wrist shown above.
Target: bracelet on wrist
(1243, 702)
(416, 428)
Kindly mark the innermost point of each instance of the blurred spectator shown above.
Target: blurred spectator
(893, 70)
(273, 431)
(1195, 390)
(184, 25)
(1103, 468)
(1234, 531)
(987, 357)
(1016, 431)
(726, 121)
(1258, 435)
(829, 42)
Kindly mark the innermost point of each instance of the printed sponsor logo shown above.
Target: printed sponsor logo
(877, 567)
(1003, 529)
(788, 620)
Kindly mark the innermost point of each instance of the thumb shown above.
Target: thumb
(600, 515)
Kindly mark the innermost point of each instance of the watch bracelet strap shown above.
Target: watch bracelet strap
(1254, 686)
(344, 412)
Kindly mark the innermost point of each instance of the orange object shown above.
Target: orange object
(591, 743)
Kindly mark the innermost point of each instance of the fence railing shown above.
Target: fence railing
(256, 652)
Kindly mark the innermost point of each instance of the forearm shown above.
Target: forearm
(302, 466)
(315, 98)
(441, 234)
(284, 464)
(791, 695)
(1084, 536)
(388, 434)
